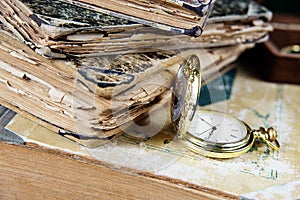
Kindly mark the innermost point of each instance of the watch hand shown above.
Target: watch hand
(212, 131)
(210, 134)
(204, 121)
(204, 131)
(214, 128)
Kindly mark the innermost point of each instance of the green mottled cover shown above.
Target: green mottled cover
(230, 7)
(56, 9)
(226, 10)
(49, 9)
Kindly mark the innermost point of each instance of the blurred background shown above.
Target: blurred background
(291, 7)
(278, 59)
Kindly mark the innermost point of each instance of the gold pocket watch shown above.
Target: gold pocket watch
(210, 133)
(219, 135)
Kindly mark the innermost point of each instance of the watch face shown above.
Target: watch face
(215, 127)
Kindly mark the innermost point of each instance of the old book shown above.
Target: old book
(62, 31)
(184, 16)
(45, 25)
(92, 100)
(49, 91)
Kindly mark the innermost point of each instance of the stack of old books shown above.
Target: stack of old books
(89, 69)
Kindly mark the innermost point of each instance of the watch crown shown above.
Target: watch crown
(269, 136)
(272, 134)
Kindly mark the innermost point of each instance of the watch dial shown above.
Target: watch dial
(217, 127)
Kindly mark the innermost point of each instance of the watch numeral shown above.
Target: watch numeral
(233, 136)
